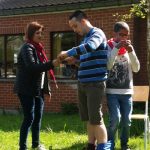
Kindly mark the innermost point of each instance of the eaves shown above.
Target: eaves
(65, 8)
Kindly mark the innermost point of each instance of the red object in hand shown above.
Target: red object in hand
(122, 51)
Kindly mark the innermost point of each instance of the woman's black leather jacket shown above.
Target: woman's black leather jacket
(29, 72)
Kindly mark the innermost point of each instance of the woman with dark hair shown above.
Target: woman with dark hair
(31, 84)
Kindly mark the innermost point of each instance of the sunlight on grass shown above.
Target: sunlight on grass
(63, 140)
(8, 140)
(60, 141)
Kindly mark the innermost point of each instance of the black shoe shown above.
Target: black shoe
(89, 147)
(125, 147)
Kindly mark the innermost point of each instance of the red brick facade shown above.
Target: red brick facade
(67, 91)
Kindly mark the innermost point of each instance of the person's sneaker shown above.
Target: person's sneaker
(125, 147)
(40, 147)
(89, 147)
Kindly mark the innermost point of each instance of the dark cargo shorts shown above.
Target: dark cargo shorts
(90, 101)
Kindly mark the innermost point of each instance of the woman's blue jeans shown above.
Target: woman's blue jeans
(120, 109)
(32, 111)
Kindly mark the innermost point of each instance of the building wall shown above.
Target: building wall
(140, 42)
(148, 39)
(67, 91)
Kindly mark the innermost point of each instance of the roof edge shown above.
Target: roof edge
(66, 8)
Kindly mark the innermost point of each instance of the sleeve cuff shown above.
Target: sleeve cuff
(72, 52)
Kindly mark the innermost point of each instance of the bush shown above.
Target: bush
(69, 108)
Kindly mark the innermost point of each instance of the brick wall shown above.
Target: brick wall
(67, 92)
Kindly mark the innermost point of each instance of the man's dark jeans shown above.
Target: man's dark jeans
(33, 111)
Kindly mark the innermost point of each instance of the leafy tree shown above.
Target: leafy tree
(137, 10)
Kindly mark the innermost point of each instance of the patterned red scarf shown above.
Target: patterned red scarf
(43, 58)
(121, 51)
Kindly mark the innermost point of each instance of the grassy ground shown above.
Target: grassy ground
(59, 132)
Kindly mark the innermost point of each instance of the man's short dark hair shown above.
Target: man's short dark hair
(121, 25)
(78, 15)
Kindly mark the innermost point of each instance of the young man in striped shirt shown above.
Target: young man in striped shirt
(92, 74)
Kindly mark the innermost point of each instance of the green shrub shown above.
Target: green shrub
(69, 108)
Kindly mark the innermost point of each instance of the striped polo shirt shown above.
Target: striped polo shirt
(93, 56)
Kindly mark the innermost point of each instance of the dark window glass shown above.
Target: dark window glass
(9, 48)
(13, 45)
(2, 57)
(62, 41)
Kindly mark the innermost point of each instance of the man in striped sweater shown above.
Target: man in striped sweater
(92, 74)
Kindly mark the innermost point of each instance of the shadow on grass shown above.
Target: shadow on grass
(52, 122)
(59, 122)
(78, 146)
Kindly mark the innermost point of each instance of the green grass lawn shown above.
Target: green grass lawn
(60, 132)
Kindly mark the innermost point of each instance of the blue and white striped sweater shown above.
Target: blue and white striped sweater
(93, 56)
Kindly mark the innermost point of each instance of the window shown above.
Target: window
(9, 48)
(62, 41)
